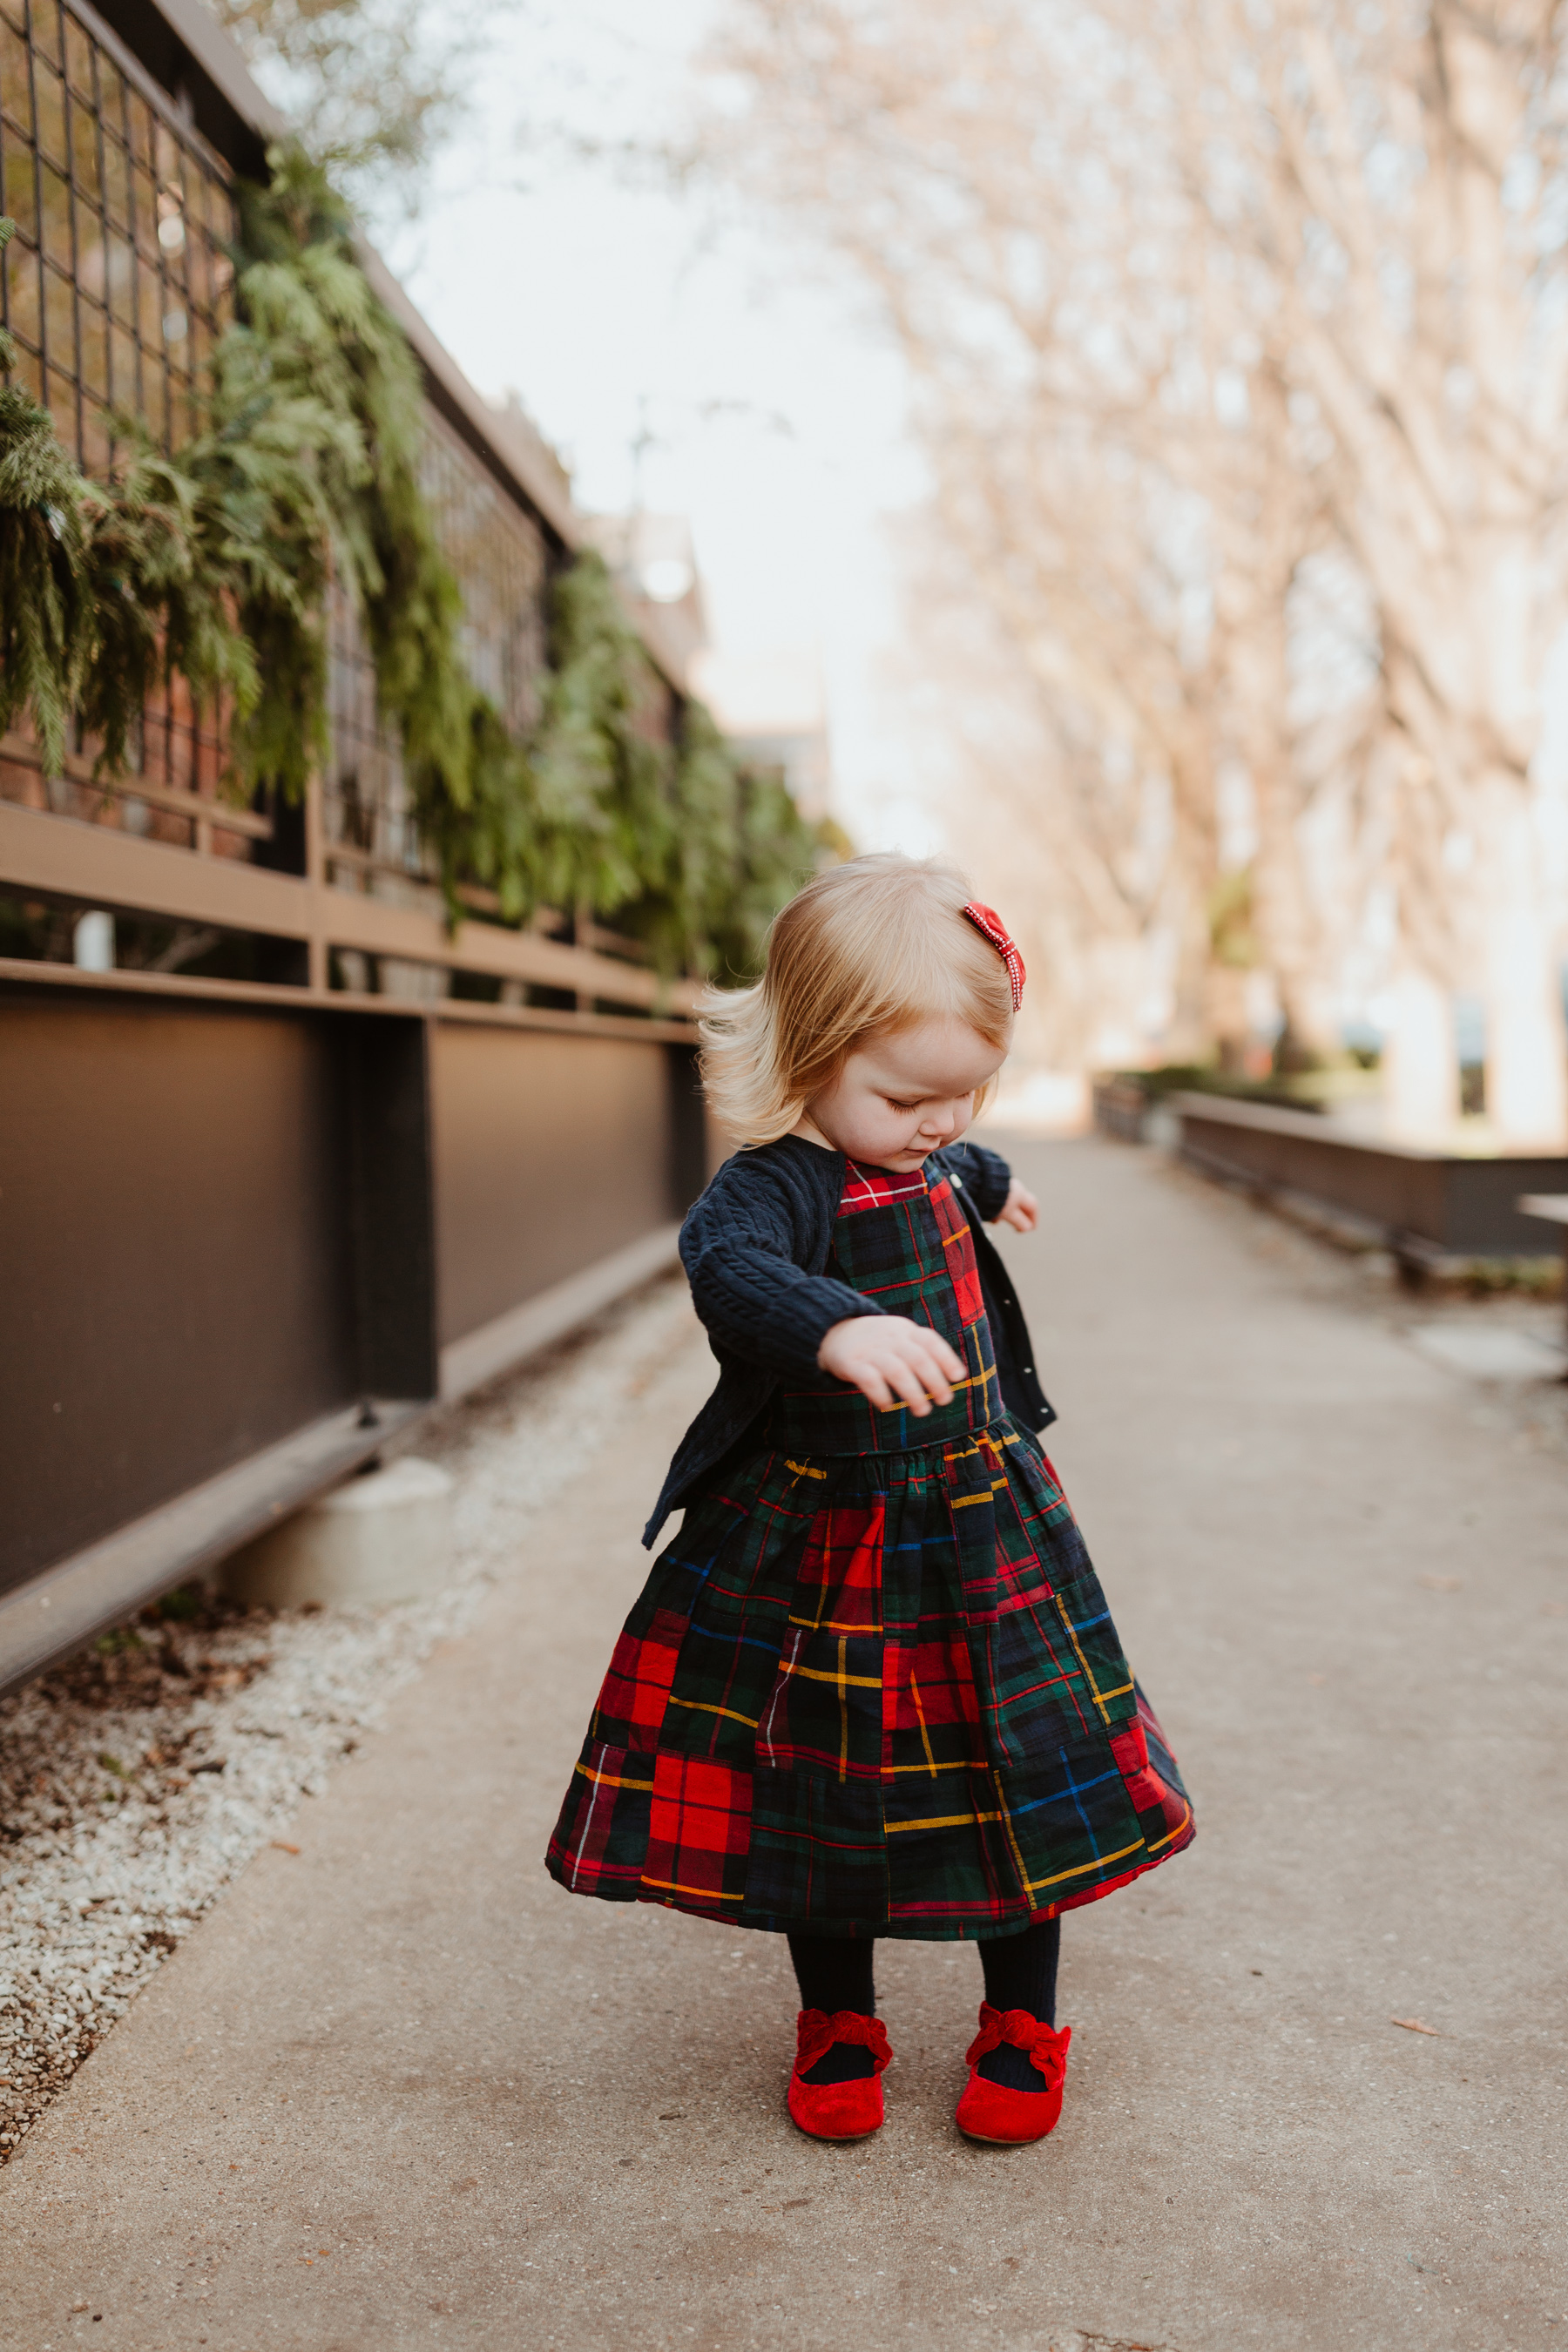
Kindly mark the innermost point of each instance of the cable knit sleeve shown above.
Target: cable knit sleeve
(984, 1173)
(747, 1247)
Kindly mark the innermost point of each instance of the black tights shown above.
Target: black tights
(836, 1972)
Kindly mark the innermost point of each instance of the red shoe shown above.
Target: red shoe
(1009, 2118)
(837, 2110)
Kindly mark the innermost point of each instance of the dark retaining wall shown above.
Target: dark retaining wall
(1449, 1202)
(242, 1241)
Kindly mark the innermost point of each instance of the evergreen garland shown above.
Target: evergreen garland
(46, 631)
(161, 574)
(677, 845)
(312, 325)
(213, 563)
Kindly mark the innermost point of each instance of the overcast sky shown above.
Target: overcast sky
(771, 415)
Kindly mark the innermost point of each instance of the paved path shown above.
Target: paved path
(402, 2091)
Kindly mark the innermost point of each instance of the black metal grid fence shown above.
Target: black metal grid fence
(118, 279)
(115, 285)
(115, 289)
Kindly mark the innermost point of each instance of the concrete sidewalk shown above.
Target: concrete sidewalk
(401, 2090)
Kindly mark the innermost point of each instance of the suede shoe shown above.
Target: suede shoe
(837, 2110)
(1004, 2117)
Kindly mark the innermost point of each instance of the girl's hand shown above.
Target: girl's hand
(1020, 1210)
(891, 1360)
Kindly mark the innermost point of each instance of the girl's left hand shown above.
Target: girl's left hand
(1020, 1210)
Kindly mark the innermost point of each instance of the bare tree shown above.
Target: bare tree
(372, 85)
(1192, 292)
(1070, 840)
(1399, 175)
(1008, 186)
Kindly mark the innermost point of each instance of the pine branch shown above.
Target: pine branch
(47, 617)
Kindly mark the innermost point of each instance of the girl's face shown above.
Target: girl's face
(901, 1093)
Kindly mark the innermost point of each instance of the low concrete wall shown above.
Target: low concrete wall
(377, 1540)
(1442, 1201)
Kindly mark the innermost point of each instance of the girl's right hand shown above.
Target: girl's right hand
(892, 1362)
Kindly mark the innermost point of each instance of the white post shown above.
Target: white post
(92, 942)
(1420, 1062)
(1527, 1043)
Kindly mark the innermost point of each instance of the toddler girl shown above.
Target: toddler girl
(872, 1687)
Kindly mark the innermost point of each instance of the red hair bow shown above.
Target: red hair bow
(986, 919)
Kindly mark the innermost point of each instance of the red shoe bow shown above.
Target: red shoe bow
(816, 2033)
(1047, 2049)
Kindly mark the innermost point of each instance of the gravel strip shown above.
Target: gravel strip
(137, 1778)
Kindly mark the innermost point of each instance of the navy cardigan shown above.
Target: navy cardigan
(754, 1247)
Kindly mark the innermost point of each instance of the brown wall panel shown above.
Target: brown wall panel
(550, 1152)
(174, 1289)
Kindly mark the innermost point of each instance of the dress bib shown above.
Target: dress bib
(872, 1687)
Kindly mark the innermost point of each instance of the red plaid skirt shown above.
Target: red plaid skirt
(873, 1687)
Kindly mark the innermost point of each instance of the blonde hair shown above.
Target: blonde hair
(878, 943)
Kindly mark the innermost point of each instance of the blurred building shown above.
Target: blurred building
(655, 568)
(770, 705)
(770, 708)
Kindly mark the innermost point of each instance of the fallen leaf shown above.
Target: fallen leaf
(283, 1846)
(1414, 2025)
(1441, 1583)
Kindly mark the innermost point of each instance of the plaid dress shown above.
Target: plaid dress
(872, 1687)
